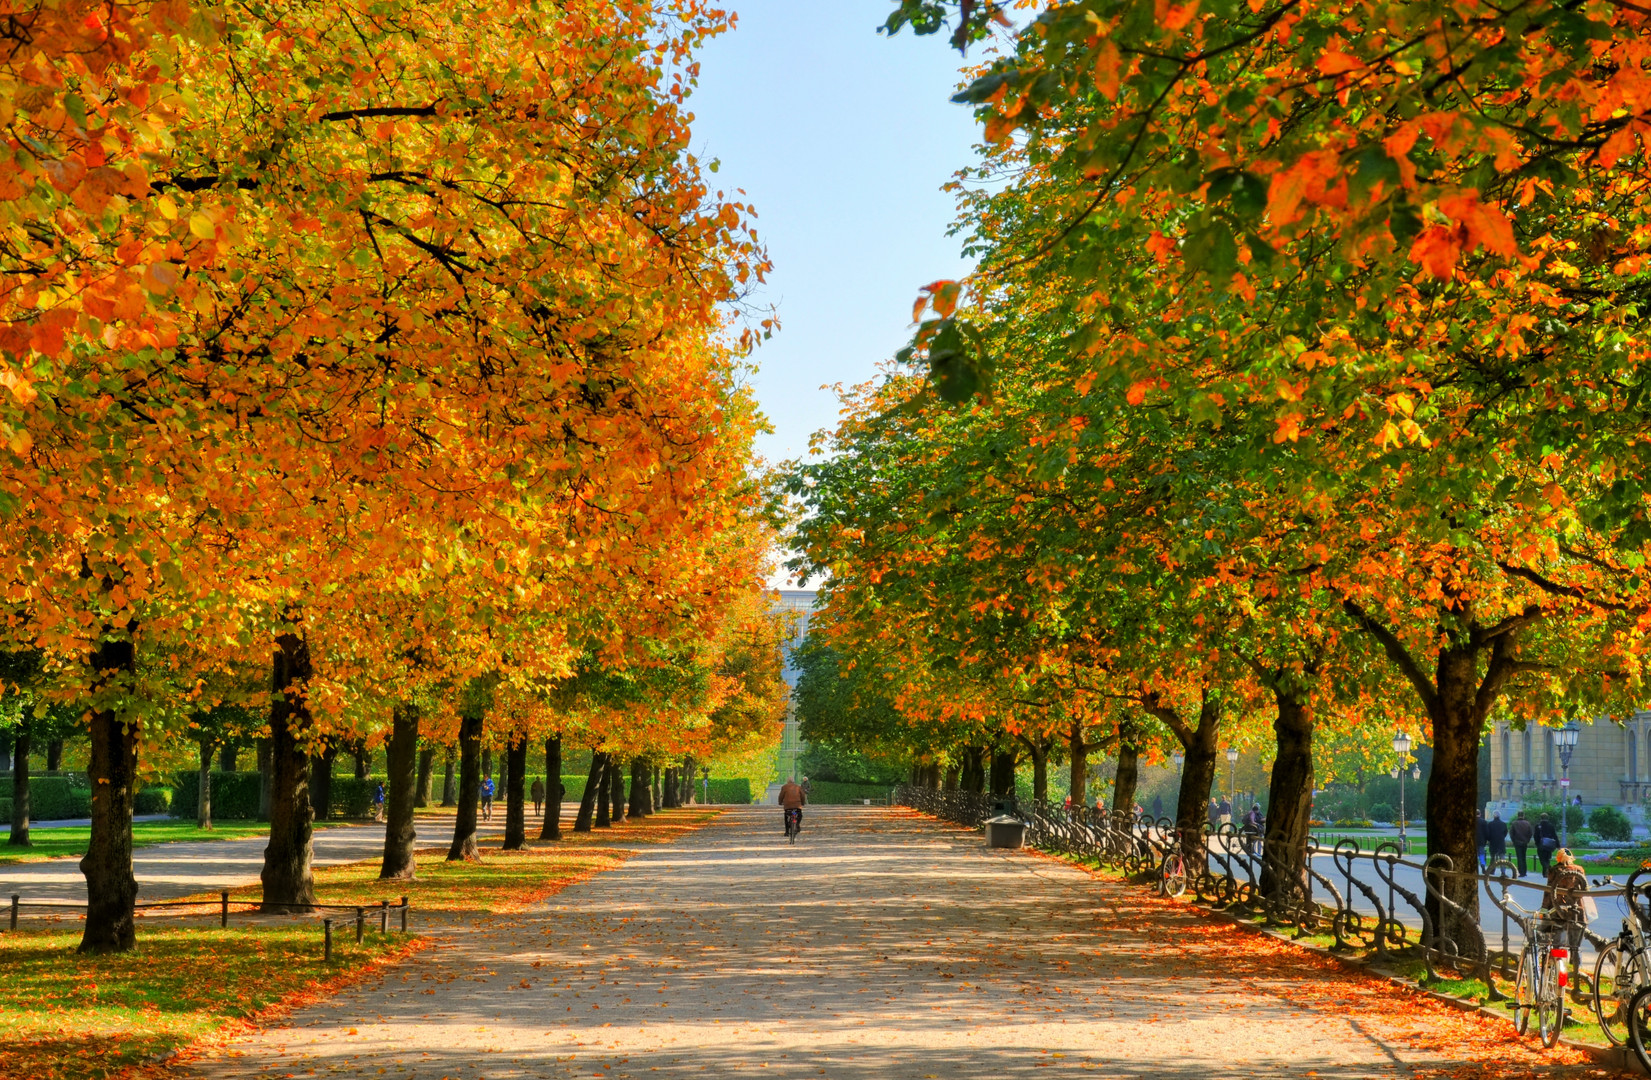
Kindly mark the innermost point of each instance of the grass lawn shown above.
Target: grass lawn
(70, 1017)
(72, 839)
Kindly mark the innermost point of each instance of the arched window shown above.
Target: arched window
(1633, 756)
(1548, 755)
(1527, 773)
(1507, 755)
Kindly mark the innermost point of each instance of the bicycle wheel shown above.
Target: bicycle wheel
(1615, 977)
(1550, 1002)
(1639, 1025)
(1174, 880)
(1524, 990)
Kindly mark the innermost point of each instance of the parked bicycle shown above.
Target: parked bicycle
(1624, 966)
(1539, 986)
(1172, 872)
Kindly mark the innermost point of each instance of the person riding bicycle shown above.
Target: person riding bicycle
(793, 798)
(1564, 901)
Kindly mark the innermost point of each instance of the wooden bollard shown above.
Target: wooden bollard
(223, 914)
(326, 949)
(360, 924)
(403, 914)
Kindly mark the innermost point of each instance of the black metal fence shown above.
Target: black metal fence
(359, 914)
(1377, 900)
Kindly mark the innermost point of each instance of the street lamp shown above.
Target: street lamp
(1232, 779)
(1401, 747)
(1565, 743)
(705, 783)
(1180, 760)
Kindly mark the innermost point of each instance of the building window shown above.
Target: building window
(1507, 755)
(1548, 755)
(1527, 741)
(1633, 756)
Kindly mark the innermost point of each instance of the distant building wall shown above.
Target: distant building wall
(1608, 766)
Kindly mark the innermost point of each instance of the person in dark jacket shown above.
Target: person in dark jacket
(1520, 833)
(1479, 836)
(1496, 837)
(1547, 842)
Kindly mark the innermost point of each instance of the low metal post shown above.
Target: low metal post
(384, 916)
(360, 924)
(223, 913)
(15, 899)
(326, 949)
(403, 914)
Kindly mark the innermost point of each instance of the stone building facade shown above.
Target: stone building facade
(1610, 765)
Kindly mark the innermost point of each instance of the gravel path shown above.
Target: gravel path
(881, 946)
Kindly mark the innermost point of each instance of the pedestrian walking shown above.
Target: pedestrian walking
(538, 796)
(1496, 838)
(487, 799)
(1547, 842)
(1480, 835)
(1157, 807)
(378, 802)
(1521, 832)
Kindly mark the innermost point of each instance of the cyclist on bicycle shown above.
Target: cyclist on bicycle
(793, 798)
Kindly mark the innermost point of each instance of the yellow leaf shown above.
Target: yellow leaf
(202, 226)
(168, 208)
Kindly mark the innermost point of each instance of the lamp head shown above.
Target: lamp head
(1179, 759)
(1565, 738)
(1232, 755)
(1401, 743)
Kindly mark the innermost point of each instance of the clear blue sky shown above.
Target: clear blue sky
(841, 138)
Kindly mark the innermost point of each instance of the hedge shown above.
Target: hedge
(353, 798)
(152, 800)
(51, 798)
(833, 793)
(737, 791)
(235, 795)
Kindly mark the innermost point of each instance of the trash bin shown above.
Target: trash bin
(1005, 831)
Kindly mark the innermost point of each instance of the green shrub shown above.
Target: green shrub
(5, 810)
(832, 793)
(152, 800)
(53, 798)
(1573, 814)
(1383, 812)
(736, 791)
(235, 795)
(1611, 824)
(353, 798)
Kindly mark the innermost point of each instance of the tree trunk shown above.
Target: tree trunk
(588, 800)
(690, 769)
(657, 776)
(1199, 743)
(639, 789)
(670, 787)
(515, 805)
(288, 882)
(266, 772)
(1123, 788)
(974, 769)
(604, 807)
(449, 790)
(401, 795)
(5, 752)
(54, 755)
(111, 888)
(470, 790)
(1003, 772)
(616, 790)
(363, 760)
(321, 767)
(203, 813)
(20, 787)
(1289, 800)
(1079, 771)
(1453, 795)
(954, 773)
(425, 786)
(1040, 773)
(228, 756)
(552, 827)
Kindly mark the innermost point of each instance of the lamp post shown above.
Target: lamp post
(705, 784)
(1401, 747)
(1232, 780)
(1565, 742)
(1180, 760)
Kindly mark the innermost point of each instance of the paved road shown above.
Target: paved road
(168, 871)
(881, 946)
